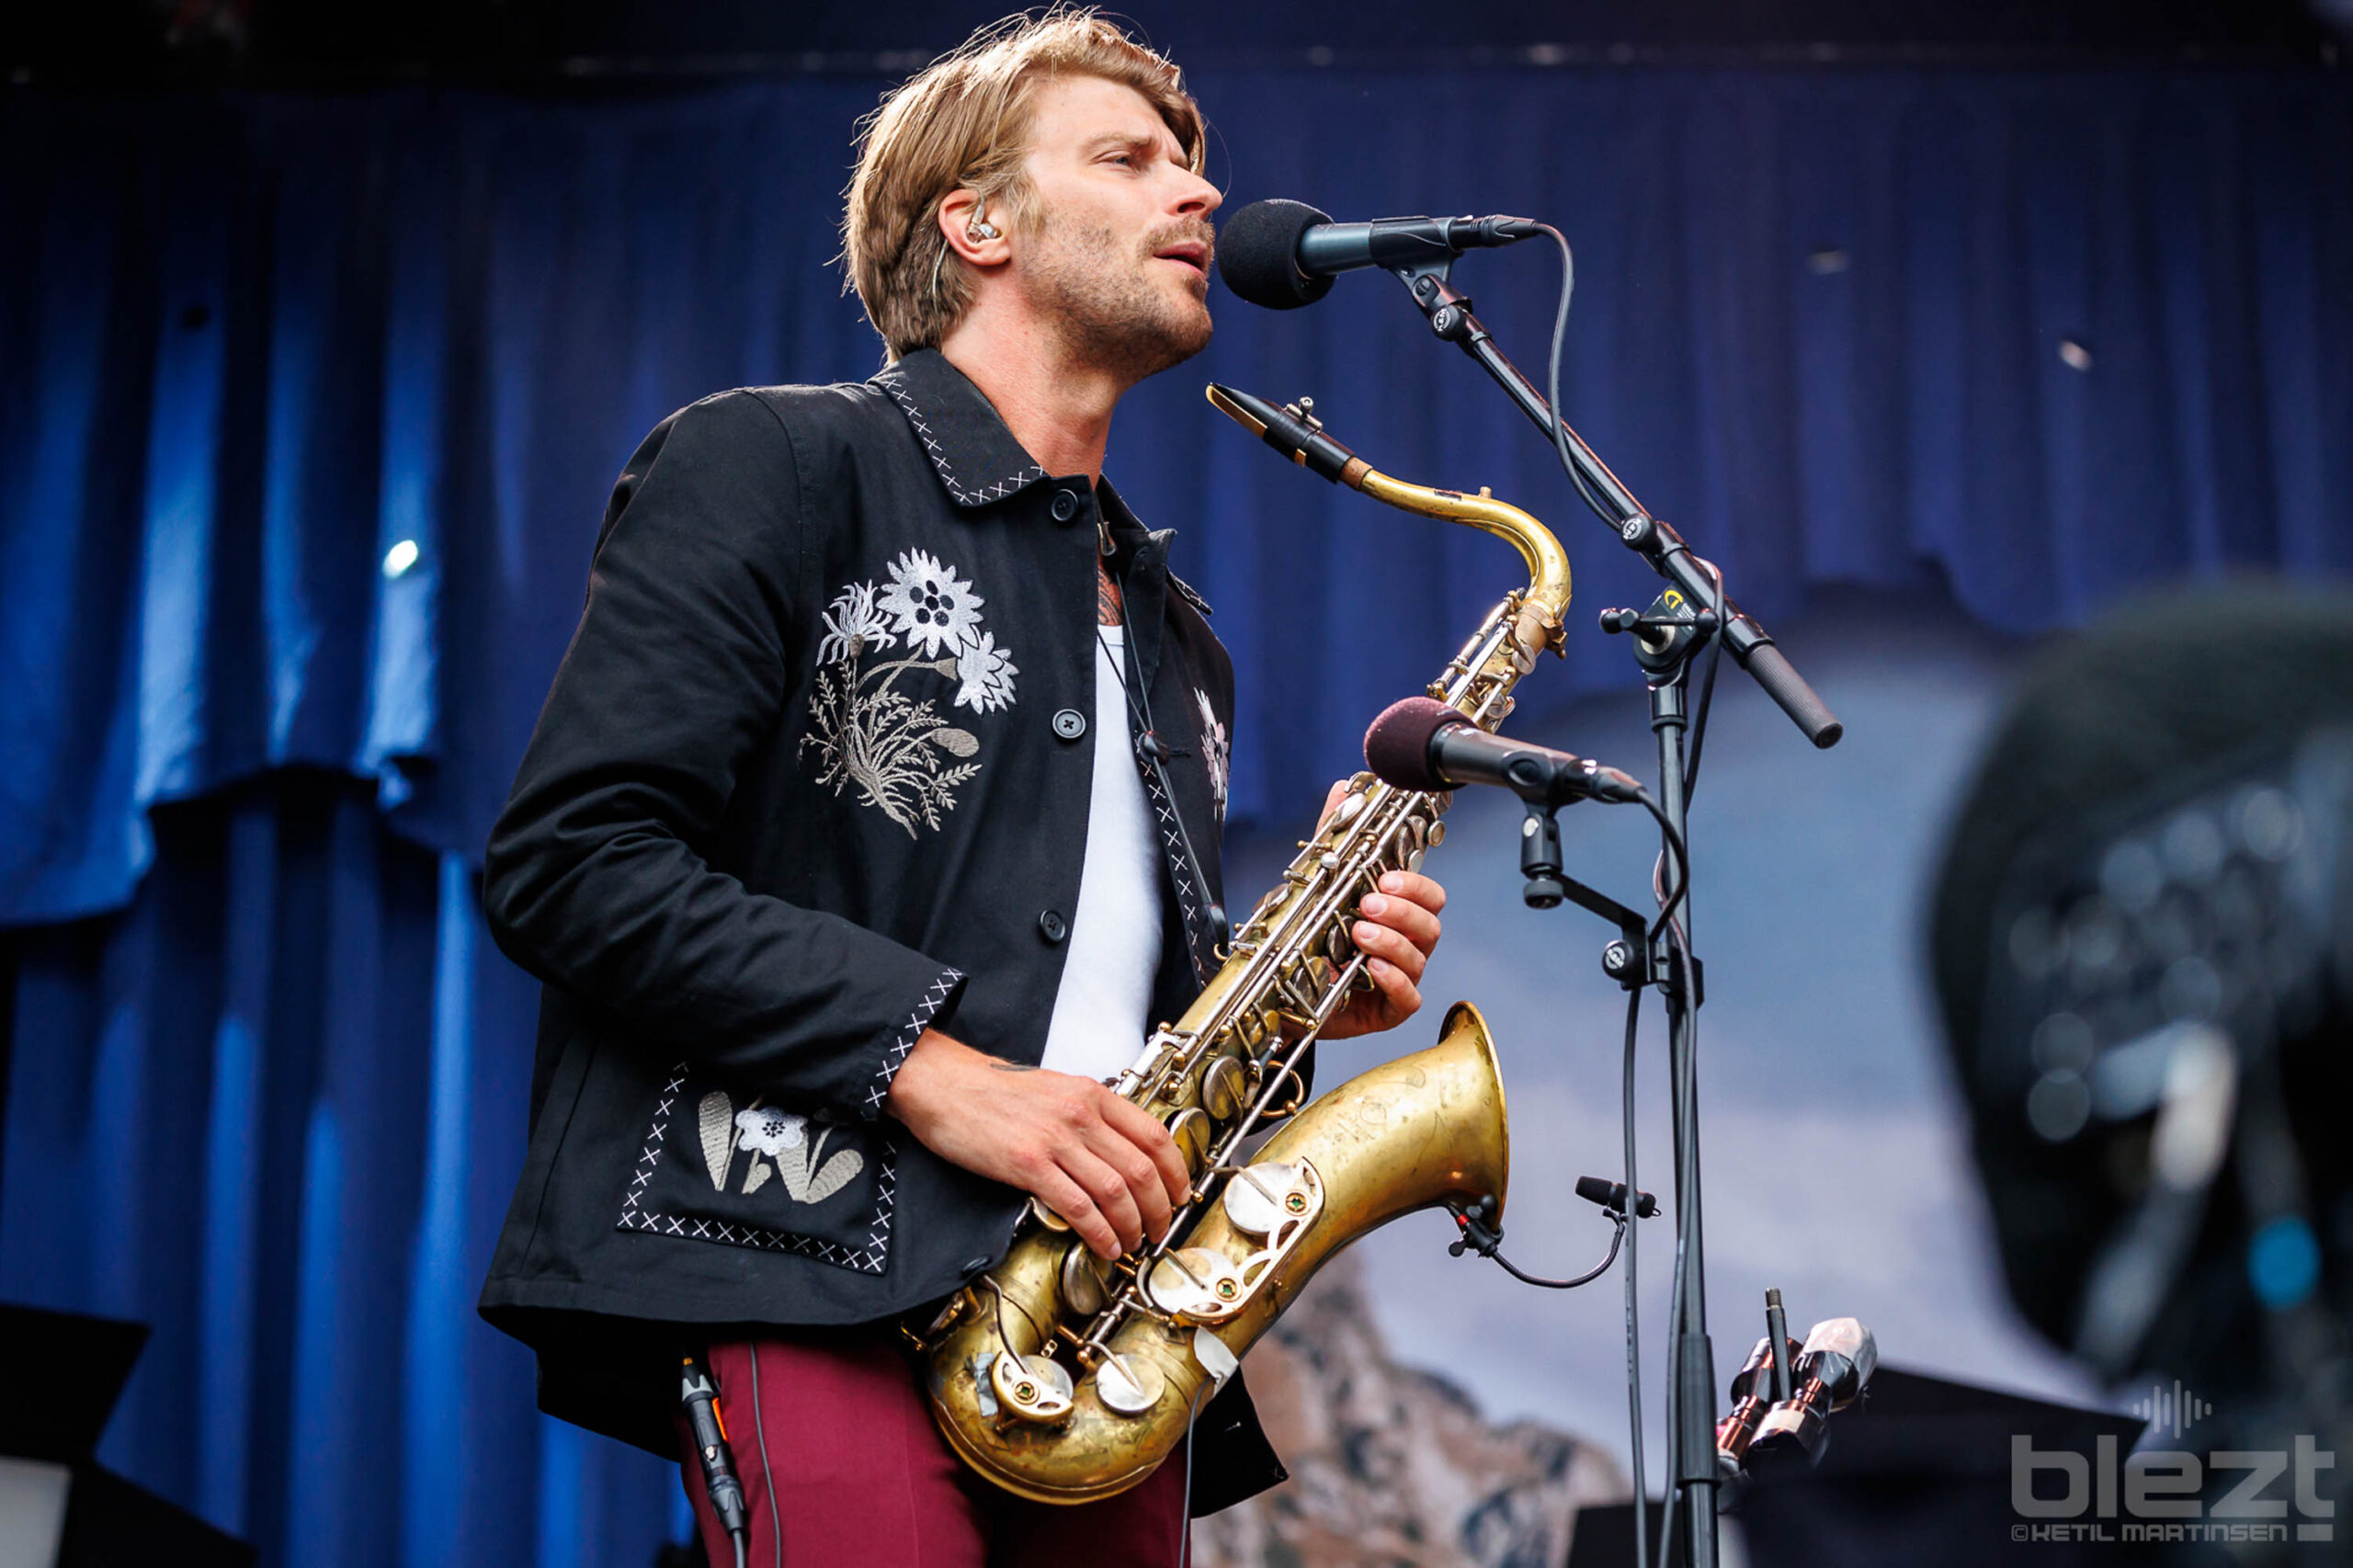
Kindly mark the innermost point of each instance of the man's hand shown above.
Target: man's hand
(1095, 1159)
(1397, 934)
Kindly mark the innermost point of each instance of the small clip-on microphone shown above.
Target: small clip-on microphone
(698, 1398)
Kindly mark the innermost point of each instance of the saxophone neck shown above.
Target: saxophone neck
(1294, 431)
(1546, 599)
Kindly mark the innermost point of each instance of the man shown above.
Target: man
(840, 851)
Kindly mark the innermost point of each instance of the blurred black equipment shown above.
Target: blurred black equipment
(2144, 951)
(1421, 744)
(1920, 1473)
(64, 1373)
(2143, 933)
(1283, 254)
(698, 1398)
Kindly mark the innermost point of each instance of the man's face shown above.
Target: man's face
(1117, 262)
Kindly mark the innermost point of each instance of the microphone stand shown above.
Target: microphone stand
(1693, 609)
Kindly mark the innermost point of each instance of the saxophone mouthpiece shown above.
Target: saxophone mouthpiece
(1294, 433)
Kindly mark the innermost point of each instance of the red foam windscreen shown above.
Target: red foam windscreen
(1397, 747)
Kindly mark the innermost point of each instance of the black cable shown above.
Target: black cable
(1560, 336)
(1152, 750)
(1633, 1318)
(1185, 1510)
(1707, 689)
(1674, 841)
(1682, 1084)
(1491, 1246)
(767, 1470)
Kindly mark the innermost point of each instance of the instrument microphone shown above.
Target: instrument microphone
(1283, 254)
(1831, 1371)
(698, 1397)
(1752, 1398)
(1421, 744)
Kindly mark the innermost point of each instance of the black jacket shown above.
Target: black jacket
(813, 776)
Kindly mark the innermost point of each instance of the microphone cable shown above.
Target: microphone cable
(1559, 336)
(1679, 936)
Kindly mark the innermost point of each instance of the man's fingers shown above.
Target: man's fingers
(1416, 888)
(1136, 1168)
(1384, 943)
(1067, 1199)
(1404, 998)
(1142, 1129)
(1109, 1190)
(1409, 919)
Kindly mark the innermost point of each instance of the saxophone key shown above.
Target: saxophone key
(1129, 1385)
(1081, 1278)
(1190, 1130)
(1224, 1087)
(1193, 1282)
(1260, 1197)
(1030, 1388)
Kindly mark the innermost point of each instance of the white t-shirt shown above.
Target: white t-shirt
(1099, 1012)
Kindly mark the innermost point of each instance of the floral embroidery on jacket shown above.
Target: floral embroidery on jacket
(1217, 750)
(768, 1134)
(899, 750)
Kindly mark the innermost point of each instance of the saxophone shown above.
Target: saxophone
(1066, 1379)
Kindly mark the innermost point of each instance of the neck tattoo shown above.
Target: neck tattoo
(1108, 611)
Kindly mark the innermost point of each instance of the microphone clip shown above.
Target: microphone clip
(1667, 634)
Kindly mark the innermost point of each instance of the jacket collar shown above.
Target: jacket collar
(977, 458)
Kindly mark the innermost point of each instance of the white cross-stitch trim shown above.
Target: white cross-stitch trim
(1190, 597)
(894, 1056)
(980, 497)
(1179, 868)
(867, 1259)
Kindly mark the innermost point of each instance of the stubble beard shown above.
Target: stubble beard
(1107, 311)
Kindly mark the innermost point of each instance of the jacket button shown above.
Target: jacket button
(1066, 505)
(1070, 723)
(1052, 925)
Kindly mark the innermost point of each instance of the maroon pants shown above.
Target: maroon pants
(841, 1465)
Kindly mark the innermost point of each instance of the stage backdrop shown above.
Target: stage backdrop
(313, 404)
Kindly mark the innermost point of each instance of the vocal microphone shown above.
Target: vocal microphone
(1421, 744)
(1283, 254)
(1839, 1360)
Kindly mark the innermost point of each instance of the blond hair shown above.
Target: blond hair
(962, 123)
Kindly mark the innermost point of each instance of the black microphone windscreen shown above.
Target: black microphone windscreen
(1397, 747)
(1257, 255)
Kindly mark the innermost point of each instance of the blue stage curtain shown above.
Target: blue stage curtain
(260, 341)
(267, 1078)
(274, 1109)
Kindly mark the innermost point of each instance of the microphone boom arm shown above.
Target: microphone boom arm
(1449, 312)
